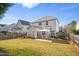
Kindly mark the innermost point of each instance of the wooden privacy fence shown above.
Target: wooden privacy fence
(12, 36)
(75, 39)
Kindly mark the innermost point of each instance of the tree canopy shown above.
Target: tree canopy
(3, 8)
(73, 23)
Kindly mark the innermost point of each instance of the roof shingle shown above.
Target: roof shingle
(24, 22)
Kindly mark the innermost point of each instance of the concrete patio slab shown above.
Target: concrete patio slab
(43, 40)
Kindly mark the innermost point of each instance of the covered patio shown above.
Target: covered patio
(39, 32)
(43, 33)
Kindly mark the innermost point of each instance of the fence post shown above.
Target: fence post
(73, 39)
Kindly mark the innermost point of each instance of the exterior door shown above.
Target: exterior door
(39, 35)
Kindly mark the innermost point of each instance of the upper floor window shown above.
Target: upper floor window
(40, 23)
(46, 22)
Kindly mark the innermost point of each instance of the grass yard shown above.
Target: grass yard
(29, 47)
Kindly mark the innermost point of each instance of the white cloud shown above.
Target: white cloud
(29, 5)
(9, 19)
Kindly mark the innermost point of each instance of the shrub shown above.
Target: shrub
(8, 33)
(4, 32)
(76, 32)
(62, 35)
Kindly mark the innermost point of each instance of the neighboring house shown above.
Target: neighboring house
(48, 25)
(20, 27)
(23, 25)
(3, 27)
(12, 27)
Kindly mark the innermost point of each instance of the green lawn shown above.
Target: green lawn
(31, 47)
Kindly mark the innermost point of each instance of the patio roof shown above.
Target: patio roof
(46, 30)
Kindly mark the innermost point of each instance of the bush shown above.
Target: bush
(4, 32)
(76, 32)
(8, 33)
(62, 35)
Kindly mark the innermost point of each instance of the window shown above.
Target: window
(46, 22)
(40, 23)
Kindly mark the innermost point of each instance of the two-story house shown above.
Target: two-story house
(46, 26)
(20, 27)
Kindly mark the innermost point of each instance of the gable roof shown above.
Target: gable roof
(46, 18)
(24, 22)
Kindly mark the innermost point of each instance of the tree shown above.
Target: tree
(3, 8)
(72, 25)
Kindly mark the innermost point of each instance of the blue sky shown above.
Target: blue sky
(64, 12)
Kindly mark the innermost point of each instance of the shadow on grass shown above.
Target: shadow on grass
(26, 52)
(19, 52)
(3, 52)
